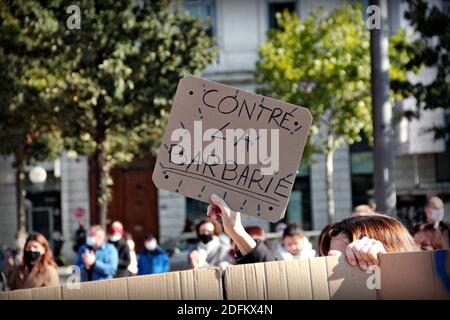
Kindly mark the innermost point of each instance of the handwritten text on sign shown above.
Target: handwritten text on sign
(242, 146)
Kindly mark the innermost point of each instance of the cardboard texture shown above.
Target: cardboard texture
(424, 275)
(204, 284)
(115, 289)
(413, 275)
(201, 284)
(320, 278)
(245, 185)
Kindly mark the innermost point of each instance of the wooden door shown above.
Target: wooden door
(134, 202)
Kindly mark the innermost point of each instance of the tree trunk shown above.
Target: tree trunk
(329, 152)
(103, 191)
(20, 203)
(102, 188)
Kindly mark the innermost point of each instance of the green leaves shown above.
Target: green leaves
(432, 50)
(27, 126)
(104, 90)
(322, 62)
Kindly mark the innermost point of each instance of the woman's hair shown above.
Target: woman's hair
(293, 230)
(432, 233)
(324, 240)
(389, 231)
(256, 232)
(217, 226)
(47, 258)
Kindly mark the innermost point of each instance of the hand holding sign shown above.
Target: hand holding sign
(225, 141)
(219, 210)
(231, 221)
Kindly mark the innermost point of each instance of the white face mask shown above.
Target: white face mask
(90, 241)
(437, 215)
(115, 237)
(150, 245)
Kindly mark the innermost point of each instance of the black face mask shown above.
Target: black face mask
(31, 256)
(205, 238)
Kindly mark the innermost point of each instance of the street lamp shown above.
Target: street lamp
(37, 175)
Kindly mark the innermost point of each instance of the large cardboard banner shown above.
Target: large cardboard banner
(406, 275)
(239, 145)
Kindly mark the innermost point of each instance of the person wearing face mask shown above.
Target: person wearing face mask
(116, 239)
(361, 239)
(211, 250)
(434, 214)
(38, 269)
(97, 259)
(153, 259)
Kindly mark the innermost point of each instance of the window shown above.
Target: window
(279, 7)
(443, 165)
(361, 163)
(443, 159)
(195, 210)
(446, 6)
(205, 10)
(299, 205)
(43, 209)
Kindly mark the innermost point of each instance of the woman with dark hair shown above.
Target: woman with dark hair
(38, 269)
(211, 250)
(361, 239)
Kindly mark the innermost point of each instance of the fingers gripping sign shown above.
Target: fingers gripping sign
(364, 252)
(218, 210)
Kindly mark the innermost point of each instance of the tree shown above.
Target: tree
(431, 48)
(118, 74)
(28, 128)
(323, 63)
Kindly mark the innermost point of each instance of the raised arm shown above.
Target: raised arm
(250, 250)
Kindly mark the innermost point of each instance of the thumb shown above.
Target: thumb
(218, 201)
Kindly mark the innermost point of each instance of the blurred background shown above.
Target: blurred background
(83, 105)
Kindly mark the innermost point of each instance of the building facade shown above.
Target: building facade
(422, 164)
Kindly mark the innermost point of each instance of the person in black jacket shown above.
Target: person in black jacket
(363, 251)
(116, 238)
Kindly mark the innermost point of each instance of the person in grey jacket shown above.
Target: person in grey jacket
(211, 249)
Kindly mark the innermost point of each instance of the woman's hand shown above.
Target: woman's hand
(193, 258)
(197, 258)
(364, 252)
(231, 220)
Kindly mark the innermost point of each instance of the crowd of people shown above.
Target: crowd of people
(222, 240)
(100, 256)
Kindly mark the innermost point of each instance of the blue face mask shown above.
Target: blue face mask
(90, 241)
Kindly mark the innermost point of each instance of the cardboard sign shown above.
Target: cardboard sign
(199, 284)
(407, 275)
(242, 146)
